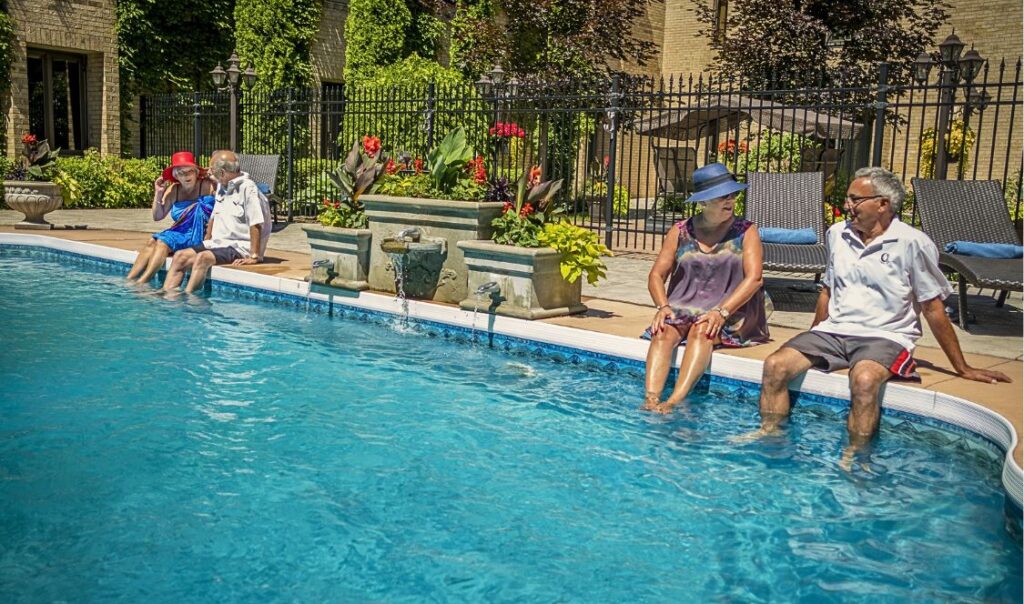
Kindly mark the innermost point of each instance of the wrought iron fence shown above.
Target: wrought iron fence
(625, 149)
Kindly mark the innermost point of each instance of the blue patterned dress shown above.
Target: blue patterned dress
(701, 280)
(190, 218)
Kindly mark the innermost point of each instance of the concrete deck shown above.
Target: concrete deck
(621, 306)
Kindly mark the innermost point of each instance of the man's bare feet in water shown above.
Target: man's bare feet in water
(768, 428)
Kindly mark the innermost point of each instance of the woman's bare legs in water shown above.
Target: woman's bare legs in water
(659, 363)
(157, 258)
(696, 358)
(142, 260)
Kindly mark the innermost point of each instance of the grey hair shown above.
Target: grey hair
(228, 164)
(886, 184)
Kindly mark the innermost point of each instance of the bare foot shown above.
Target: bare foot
(651, 402)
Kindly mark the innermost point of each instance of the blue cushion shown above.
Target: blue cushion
(263, 187)
(805, 236)
(985, 250)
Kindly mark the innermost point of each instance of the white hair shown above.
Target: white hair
(886, 184)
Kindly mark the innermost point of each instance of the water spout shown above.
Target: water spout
(491, 287)
(411, 233)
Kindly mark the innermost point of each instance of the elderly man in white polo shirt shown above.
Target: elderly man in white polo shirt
(881, 273)
(238, 230)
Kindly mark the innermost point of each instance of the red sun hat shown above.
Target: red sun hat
(181, 159)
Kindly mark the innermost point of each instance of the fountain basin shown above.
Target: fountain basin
(347, 252)
(434, 276)
(530, 281)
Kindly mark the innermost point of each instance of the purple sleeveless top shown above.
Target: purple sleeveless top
(701, 280)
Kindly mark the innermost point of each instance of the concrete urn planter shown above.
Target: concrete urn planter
(437, 271)
(530, 282)
(34, 200)
(340, 257)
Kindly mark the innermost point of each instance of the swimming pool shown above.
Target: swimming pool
(223, 449)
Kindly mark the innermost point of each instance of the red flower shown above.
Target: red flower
(527, 210)
(606, 160)
(391, 167)
(476, 168)
(418, 166)
(836, 212)
(492, 130)
(534, 179)
(507, 207)
(371, 145)
(28, 139)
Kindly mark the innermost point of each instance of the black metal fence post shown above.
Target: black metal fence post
(611, 126)
(197, 125)
(142, 126)
(431, 101)
(880, 104)
(290, 110)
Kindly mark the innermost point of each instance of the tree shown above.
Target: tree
(171, 46)
(375, 32)
(549, 39)
(782, 42)
(277, 36)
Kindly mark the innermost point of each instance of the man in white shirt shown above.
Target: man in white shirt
(881, 273)
(238, 230)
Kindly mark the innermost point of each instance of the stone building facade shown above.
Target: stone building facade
(64, 75)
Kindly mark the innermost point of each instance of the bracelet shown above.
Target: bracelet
(661, 307)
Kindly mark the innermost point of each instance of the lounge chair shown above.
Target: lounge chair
(970, 210)
(263, 169)
(674, 167)
(789, 201)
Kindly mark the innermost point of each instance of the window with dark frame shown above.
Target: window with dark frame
(56, 99)
(721, 19)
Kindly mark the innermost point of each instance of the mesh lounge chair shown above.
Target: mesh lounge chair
(674, 166)
(263, 169)
(789, 201)
(970, 210)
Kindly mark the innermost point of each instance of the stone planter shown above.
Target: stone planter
(34, 200)
(341, 257)
(440, 274)
(530, 282)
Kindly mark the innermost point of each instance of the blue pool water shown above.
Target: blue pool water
(221, 450)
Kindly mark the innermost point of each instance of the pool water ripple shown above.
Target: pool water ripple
(225, 450)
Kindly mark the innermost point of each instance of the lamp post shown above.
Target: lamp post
(955, 70)
(234, 78)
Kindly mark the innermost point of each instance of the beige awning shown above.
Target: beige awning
(723, 113)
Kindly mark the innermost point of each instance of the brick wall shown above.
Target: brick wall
(84, 27)
(328, 52)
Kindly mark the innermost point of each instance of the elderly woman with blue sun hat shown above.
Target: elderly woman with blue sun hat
(715, 293)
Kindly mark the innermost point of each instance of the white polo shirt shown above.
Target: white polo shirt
(239, 205)
(876, 290)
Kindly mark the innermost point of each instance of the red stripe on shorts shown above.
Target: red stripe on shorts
(904, 365)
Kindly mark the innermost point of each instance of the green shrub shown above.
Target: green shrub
(94, 181)
(580, 249)
(597, 192)
(1011, 193)
(374, 35)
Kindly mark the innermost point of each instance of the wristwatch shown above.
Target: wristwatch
(721, 311)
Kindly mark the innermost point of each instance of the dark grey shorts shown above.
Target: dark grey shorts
(224, 255)
(829, 352)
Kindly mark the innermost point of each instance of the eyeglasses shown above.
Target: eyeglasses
(856, 200)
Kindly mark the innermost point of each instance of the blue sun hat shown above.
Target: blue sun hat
(713, 181)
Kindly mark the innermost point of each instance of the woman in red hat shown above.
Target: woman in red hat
(184, 192)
